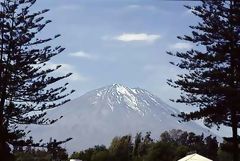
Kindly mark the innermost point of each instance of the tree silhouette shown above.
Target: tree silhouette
(27, 86)
(212, 71)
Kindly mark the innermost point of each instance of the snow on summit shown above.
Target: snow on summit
(131, 98)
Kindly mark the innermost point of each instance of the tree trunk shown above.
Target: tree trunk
(235, 136)
(5, 151)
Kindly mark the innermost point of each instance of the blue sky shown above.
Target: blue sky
(118, 41)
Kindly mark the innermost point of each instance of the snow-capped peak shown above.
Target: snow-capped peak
(118, 96)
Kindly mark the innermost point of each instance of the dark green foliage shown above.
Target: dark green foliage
(161, 151)
(223, 156)
(85, 156)
(181, 151)
(145, 144)
(177, 136)
(137, 143)
(92, 154)
(26, 84)
(57, 152)
(37, 154)
(187, 142)
(101, 156)
(121, 148)
(177, 145)
(212, 80)
(195, 142)
(211, 147)
(165, 137)
(226, 147)
(75, 155)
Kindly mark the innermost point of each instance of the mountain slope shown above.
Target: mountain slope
(101, 114)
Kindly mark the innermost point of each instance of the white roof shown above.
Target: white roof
(194, 157)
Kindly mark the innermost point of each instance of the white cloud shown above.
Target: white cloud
(133, 6)
(128, 37)
(141, 7)
(65, 69)
(82, 54)
(181, 46)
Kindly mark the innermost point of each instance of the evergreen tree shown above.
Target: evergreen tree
(212, 81)
(145, 144)
(57, 152)
(137, 143)
(121, 148)
(211, 147)
(26, 85)
(161, 151)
